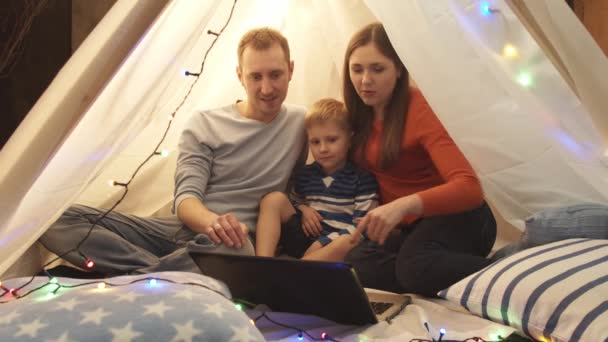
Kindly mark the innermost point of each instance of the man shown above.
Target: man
(229, 158)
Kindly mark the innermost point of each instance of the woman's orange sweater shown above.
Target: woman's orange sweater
(430, 164)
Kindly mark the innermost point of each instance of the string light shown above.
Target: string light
(152, 282)
(525, 79)
(300, 336)
(188, 73)
(486, 10)
(441, 334)
(112, 182)
(509, 51)
(101, 285)
(89, 263)
(162, 153)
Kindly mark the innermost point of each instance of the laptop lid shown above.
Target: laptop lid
(326, 289)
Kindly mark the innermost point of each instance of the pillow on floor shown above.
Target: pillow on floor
(553, 292)
(586, 220)
(175, 306)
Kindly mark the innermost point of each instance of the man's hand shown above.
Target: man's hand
(228, 230)
(311, 221)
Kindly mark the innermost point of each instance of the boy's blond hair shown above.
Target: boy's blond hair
(263, 38)
(328, 110)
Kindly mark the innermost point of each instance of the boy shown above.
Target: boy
(328, 196)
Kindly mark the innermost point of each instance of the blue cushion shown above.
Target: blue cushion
(578, 221)
(179, 306)
(588, 220)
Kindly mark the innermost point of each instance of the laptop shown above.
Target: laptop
(326, 289)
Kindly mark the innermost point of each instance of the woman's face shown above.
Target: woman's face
(374, 76)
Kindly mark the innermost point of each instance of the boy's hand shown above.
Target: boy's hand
(311, 221)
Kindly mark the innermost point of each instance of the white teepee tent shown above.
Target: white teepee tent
(533, 125)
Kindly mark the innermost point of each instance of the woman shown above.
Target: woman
(433, 227)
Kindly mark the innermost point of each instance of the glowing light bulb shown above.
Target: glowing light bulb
(53, 280)
(239, 306)
(152, 282)
(485, 8)
(300, 336)
(162, 153)
(89, 263)
(524, 79)
(101, 285)
(111, 182)
(509, 51)
(324, 335)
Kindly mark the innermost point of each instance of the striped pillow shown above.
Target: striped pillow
(553, 292)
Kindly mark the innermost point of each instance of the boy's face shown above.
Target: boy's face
(329, 144)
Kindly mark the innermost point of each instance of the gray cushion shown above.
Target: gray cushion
(578, 221)
(588, 220)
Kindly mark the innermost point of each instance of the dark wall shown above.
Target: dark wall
(45, 48)
(55, 32)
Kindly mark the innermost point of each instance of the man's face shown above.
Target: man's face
(265, 75)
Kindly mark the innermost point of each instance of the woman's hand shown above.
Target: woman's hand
(311, 221)
(379, 221)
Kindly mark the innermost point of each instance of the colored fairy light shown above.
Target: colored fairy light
(101, 285)
(152, 282)
(524, 79)
(239, 306)
(53, 280)
(89, 263)
(509, 51)
(324, 335)
(441, 334)
(485, 8)
(162, 153)
(188, 73)
(111, 182)
(300, 336)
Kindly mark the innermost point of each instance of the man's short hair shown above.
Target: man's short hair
(263, 38)
(328, 110)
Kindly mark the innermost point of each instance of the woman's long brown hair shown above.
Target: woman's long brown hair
(361, 114)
